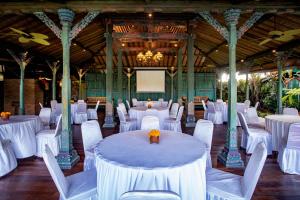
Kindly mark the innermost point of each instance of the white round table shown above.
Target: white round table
(21, 130)
(127, 161)
(223, 107)
(278, 126)
(139, 112)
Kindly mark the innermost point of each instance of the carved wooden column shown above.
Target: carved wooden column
(54, 68)
(120, 69)
(81, 74)
(179, 74)
(172, 74)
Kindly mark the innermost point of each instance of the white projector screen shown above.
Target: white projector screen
(150, 81)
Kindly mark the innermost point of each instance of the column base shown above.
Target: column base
(231, 158)
(109, 122)
(190, 121)
(67, 160)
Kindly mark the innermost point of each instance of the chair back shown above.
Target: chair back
(97, 105)
(251, 115)
(122, 106)
(58, 128)
(247, 103)
(256, 105)
(134, 102)
(180, 113)
(204, 132)
(174, 109)
(149, 195)
(109, 109)
(80, 101)
(160, 99)
(81, 108)
(45, 114)
(294, 136)
(243, 122)
(53, 104)
(121, 115)
(41, 105)
(290, 111)
(220, 100)
(211, 107)
(128, 104)
(91, 134)
(204, 105)
(253, 170)
(58, 108)
(191, 108)
(55, 172)
(170, 103)
(150, 122)
(180, 102)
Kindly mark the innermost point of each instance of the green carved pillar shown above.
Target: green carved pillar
(179, 74)
(279, 60)
(109, 121)
(230, 155)
(221, 88)
(172, 74)
(21, 106)
(54, 68)
(247, 86)
(120, 68)
(190, 119)
(67, 156)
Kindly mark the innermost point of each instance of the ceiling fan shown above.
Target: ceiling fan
(30, 37)
(281, 36)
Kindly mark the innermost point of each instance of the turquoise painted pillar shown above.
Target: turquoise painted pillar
(221, 88)
(179, 74)
(109, 120)
(120, 69)
(67, 156)
(279, 83)
(230, 155)
(54, 85)
(21, 106)
(80, 89)
(247, 86)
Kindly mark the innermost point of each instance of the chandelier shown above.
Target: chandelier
(149, 56)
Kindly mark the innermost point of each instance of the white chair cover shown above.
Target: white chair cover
(8, 161)
(49, 137)
(253, 119)
(80, 114)
(226, 186)
(289, 155)
(220, 100)
(252, 136)
(290, 111)
(91, 135)
(123, 108)
(92, 113)
(80, 186)
(214, 115)
(45, 115)
(204, 132)
(205, 109)
(126, 124)
(150, 195)
(134, 102)
(53, 111)
(256, 105)
(80, 101)
(150, 122)
(160, 99)
(247, 103)
(174, 124)
(41, 105)
(128, 104)
(174, 110)
(170, 103)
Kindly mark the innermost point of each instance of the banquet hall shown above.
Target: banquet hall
(150, 100)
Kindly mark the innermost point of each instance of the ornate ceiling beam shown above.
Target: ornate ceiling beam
(207, 56)
(145, 35)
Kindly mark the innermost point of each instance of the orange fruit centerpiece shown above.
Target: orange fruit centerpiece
(154, 136)
(5, 115)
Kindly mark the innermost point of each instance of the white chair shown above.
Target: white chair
(134, 102)
(170, 103)
(149, 195)
(160, 99)
(41, 105)
(205, 109)
(123, 108)
(80, 114)
(45, 116)
(289, 155)
(220, 100)
(80, 101)
(253, 120)
(290, 111)
(50, 137)
(256, 105)
(174, 124)
(91, 135)
(58, 112)
(247, 103)
(174, 110)
(222, 185)
(8, 161)
(92, 112)
(126, 124)
(252, 136)
(204, 132)
(150, 122)
(214, 115)
(53, 104)
(128, 104)
(79, 186)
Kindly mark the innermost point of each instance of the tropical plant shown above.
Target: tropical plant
(291, 98)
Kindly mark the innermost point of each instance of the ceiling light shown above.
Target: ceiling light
(150, 15)
(148, 56)
(242, 60)
(274, 51)
(217, 50)
(123, 44)
(175, 45)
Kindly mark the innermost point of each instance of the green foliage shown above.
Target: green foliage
(291, 98)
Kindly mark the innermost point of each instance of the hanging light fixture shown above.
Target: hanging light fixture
(149, 56)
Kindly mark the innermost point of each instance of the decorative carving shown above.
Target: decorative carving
(213, 22)
(232, 16)
(54, 66)
(48, 22)
(22, 60)
(83, 23)
(65, 15)
(249, 23)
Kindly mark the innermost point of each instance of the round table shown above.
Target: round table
(127, 161)
(278, 126)
(223, 107)
(21, 130)
(139, 112)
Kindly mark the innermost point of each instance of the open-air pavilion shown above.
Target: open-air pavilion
(80, 79)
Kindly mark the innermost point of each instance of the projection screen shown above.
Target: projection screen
(150, 81)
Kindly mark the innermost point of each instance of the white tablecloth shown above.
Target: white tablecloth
(223, 107)
(139, 112)
(127, 161)
(278, 126)
(21, 130)
(154, 103)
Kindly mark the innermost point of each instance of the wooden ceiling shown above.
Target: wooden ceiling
(210, 49)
